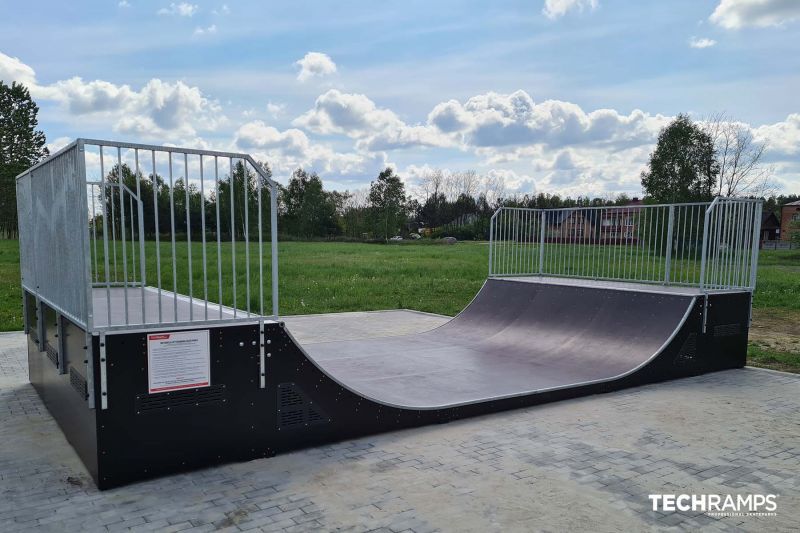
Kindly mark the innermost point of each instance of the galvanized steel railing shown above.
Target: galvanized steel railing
(119, 235)
(706, 245)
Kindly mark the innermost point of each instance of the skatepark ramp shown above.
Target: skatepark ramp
(154, 361)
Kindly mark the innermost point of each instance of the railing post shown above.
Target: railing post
(273, 208)
(491, 242)
(756, 235)
(80, 162)
(140, 214)
(669, 244)
(541, 243)
(704, 250)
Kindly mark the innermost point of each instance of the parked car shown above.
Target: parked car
(396, 238)
(415, 236)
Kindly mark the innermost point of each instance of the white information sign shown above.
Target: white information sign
(178, 360)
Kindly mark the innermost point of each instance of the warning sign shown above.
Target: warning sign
(178, 360)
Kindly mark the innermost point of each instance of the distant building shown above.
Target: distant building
(790, 213)
(611, 225)
(770, 226)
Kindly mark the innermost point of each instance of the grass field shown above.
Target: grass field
(333, 277)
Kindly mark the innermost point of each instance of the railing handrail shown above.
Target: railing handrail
(627, 207)
(155, 148)
(48, 159)
(661, 238)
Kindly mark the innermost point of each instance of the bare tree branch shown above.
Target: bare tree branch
(742, 171)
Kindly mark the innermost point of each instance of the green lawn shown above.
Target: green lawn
(329, 277)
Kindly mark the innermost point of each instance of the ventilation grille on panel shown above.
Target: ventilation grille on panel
(167, 401)
(296, 409)
(688, 352)
(78, 383)
(727, 330)
(52, 353)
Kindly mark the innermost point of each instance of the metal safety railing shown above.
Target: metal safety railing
(120, 235)
(712, 245)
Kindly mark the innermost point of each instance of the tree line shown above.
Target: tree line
(237, 206)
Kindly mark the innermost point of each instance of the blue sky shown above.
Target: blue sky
(544, 95)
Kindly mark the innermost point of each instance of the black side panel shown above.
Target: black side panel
(727, 324)
(59, 391)
(51, 342)
(35, 357)
(143, 436)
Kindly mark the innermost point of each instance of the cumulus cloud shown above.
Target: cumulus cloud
(182, 9)
(315, 65)
(497, 120)
(350, 114)
(554, 9)
(736, 14)
(292, 148)
(12, 69)
(159, 108)
(356, 116)
(509, 132)
(156, 108)
(701, 42)
(782, 138)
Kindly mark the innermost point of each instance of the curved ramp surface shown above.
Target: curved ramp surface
(515, 338)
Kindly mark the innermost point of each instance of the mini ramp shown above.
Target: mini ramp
(518, 343)
(145, 381)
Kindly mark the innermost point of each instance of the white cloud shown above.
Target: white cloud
(58, 143)
(315, 65)
(223, 10)
(350, 114)
(735, 14)
(206, 31)
(124, 3)
(182, 9)
(558, 144)
(275, 110)
(701, 42)
(257, 134)
(12, 69)
(554, 9)
(497, 120)
(356, 116)
(782, 138)
(158, 109)
(292, 148)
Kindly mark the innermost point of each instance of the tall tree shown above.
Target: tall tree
(310, 210)
(740, 157)
(682, 167)
(21, 146)
(387, 197)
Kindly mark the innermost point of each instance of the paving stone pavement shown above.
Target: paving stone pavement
(579, 465)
